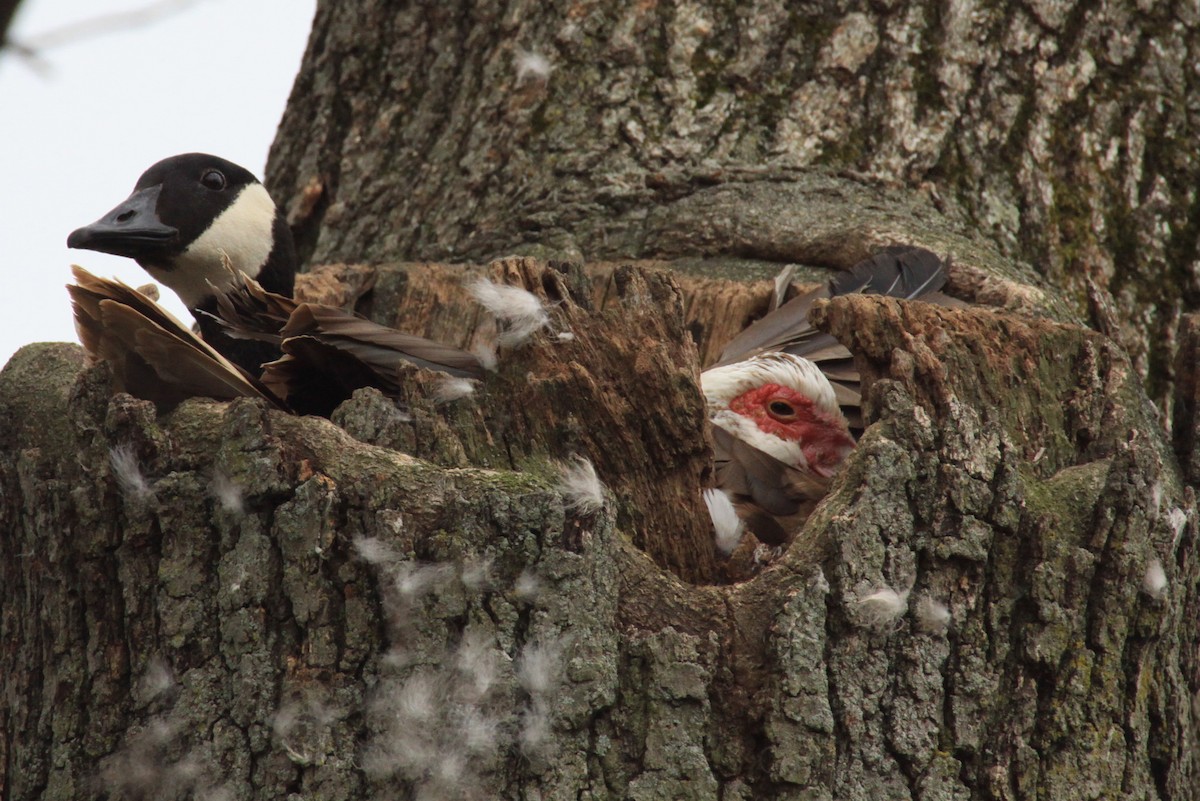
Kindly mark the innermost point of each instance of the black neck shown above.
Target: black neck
(278, 274)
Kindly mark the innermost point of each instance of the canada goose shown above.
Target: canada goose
(207, 229)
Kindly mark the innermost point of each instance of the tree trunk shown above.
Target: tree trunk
(1058, 133)
(998, 600)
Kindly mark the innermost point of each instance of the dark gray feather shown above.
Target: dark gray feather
(901, 271)
(771, 497)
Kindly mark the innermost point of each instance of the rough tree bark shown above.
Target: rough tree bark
(1058, 132)
(998, 600)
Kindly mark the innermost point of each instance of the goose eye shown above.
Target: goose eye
(213, 179)
(781, 410)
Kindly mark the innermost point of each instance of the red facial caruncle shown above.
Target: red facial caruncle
(792, 416)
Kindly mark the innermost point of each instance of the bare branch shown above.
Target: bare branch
(30, 48)
(8, 9)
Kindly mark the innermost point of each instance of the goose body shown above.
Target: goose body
(208, 229)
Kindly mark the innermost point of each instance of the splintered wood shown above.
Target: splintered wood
(612, 377)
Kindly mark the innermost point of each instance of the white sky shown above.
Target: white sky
(212, 77)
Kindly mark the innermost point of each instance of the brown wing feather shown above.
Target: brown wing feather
(773, 498)
(901, 271)
(250, 311)
(152, 354)
(247, 311)
(376, 345)
(330, 352)
(317, 377)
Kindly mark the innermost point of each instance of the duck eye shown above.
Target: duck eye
(213, 179)
(780, 409)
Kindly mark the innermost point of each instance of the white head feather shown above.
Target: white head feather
(722, 384)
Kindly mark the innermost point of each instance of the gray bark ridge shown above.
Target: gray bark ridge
(236, 616)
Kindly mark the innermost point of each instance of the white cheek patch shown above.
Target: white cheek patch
(747, 431)
(239, 240)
